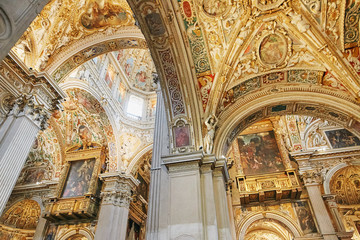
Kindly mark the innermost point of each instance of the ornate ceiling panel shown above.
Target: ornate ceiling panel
(63, 22)
(138, 67)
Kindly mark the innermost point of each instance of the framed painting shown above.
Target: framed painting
(182, 136)
(78, 178)
(342, 138)
(305, 217)
(259, 153)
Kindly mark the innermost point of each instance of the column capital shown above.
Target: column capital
(117, 189)
(30, 93)
(312, 177)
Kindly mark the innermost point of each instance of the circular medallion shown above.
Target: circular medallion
(273, 49)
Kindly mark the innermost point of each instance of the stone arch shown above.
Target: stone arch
(138, 157)
(255, 107)
(92, 46)
(330, 174)
(289, 223)
(78, 231)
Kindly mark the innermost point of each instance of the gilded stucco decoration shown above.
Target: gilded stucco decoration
(84, 115)
(51, 32)
(351, 24)
(345, 183)
(268, 229)
(22, 215)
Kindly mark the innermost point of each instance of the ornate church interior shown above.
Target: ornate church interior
(179, 119)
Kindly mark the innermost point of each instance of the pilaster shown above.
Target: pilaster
(114, 209)
(221, 178)
(336, 216)
(313, 180)
(186, 210)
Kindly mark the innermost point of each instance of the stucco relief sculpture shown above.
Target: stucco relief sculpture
(210, 123)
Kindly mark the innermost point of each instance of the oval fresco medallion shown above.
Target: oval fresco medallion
(273, 49)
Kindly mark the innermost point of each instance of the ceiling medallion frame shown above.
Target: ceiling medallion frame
(274, 48)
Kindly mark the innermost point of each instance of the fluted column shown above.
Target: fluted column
(17, 135)
(313, 180)
(156, 226)
(114, 209)
(221, 177)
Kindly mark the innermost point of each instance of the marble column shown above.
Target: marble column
(221, 177)
(157, 222)
(114, 209)
(17, 135)
(313, 180)
(185, 194)
(208, 200)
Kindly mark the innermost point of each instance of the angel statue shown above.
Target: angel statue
(210, 123)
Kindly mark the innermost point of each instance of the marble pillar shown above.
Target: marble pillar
(208, 200)
(114, 209)
(313, 180)
(157, 222)
(221, 177)
(17, 135)
(186, 206)
(198, 205)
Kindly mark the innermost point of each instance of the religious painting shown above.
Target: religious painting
(51, 232)
(143, 188)
(273, 49)
(154, 22)
(110, 75)
(78, 180)
(259, 153)
(32, 175)
(182, 136)
(141, 77)
(129, 64)
(305, 217)
(342, 138)
(103, 15)
(121, 92)
(152, 108)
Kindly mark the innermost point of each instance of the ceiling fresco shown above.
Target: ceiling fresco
(138, 67)
(63, 22)
(210, 55)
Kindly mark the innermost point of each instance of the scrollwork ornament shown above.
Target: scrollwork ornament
(28, 106)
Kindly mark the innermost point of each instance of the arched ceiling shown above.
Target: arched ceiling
(213, 55)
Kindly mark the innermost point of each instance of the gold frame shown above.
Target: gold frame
(85, 206)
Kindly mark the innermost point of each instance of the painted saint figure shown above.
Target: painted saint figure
(210, 123)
